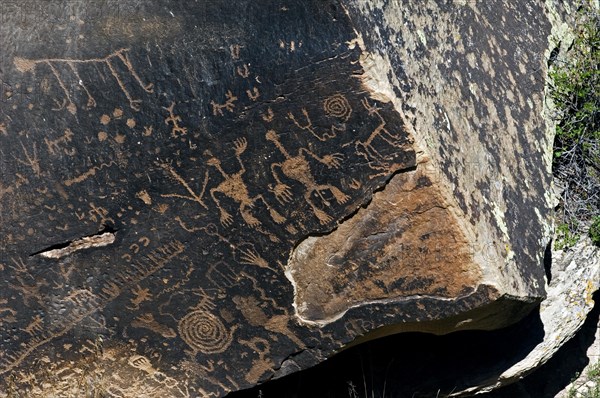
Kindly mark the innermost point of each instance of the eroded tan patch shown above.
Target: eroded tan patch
(405, 244)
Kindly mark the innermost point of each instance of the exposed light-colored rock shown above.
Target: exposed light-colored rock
(576, 277)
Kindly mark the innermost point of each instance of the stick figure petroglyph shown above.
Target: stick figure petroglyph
(366, 149)
(298, 168)
(174, 120)
(234, 187)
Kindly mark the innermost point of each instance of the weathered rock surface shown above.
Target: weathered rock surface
(199, 196)
(576, 276)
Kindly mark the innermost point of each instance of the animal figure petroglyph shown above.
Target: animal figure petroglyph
(29, 65)
(298, 168)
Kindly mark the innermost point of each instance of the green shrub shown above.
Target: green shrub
(575, 92)
(564, 237)
(594, 231)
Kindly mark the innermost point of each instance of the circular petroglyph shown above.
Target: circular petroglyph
(337, 106)
(204, 332)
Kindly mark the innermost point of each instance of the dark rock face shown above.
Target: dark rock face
(162, 166)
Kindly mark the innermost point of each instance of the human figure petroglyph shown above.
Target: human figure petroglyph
(366, 148)
(141, 295)
(234, 187)
(174, 120)
(263, 363)
(298, 168)
(28, 65)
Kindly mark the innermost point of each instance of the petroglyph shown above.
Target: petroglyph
(228, 105)
(147, 321)
(298, 168)
(55, 146)
(235, 51)
(141, 295)
(174, 120)
(31, 159)
(254, 314)
(337, 106)
(243, 71)
(192, 195)
(202, 330)
(367, 149)
(91, 172)
(83, 303)
(308, 126)
(263, 363)
(268, 116)
(28, 65)
(253, 94)
(269, 133)
(235, 188)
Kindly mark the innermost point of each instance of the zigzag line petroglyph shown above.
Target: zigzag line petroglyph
(89, 173)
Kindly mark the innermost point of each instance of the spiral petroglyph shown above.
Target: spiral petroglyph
(204, 332)
(337, 106)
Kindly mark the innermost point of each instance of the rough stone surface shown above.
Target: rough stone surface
(196, 197)
(576, 276)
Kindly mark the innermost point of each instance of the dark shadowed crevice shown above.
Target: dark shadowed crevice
(410, 364)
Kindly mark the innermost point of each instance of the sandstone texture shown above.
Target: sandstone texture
(196, 197)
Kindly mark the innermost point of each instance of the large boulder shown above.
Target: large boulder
(196, 197)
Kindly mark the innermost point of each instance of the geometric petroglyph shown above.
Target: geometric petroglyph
(204, 332)
(337, 106)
